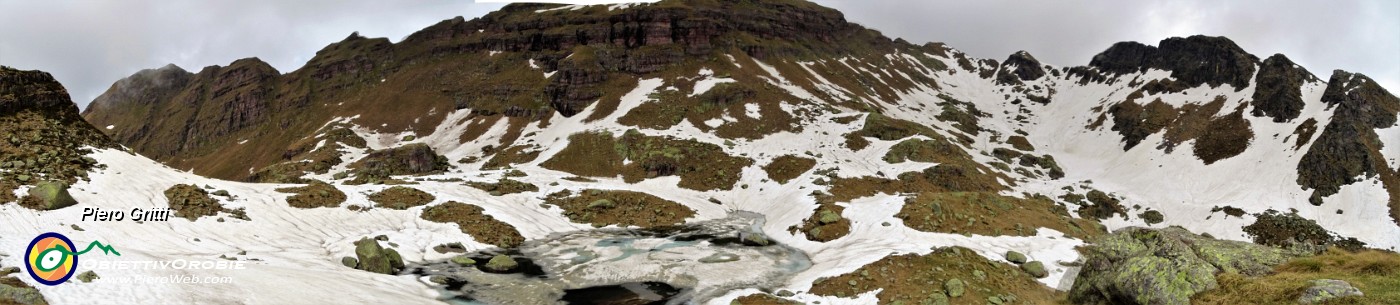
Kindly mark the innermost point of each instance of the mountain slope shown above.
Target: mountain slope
(852, 147)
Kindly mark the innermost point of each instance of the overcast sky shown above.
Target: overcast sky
(89, 44)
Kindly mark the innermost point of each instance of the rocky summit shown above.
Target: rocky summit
(724, 152)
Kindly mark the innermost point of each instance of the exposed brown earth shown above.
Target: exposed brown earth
(621, 208)
(474, 221)
(401, 198)
(787, 167)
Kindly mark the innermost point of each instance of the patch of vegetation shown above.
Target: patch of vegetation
(1304, 133)
(474, 221)
(887, 129)
(763, 299)
(191, 202)
(1217, 138)
(317, 194)
(509, 156)
(505, 186)
(991, 214)
(701, 166)
(622, 208)
(963, 115)
(826, 223)
(1152, 217)
(1020, 143)
(1376, 273)
(1102, 206)
(1290, 231)
(787, 167)
(401, 198)
(952, 275)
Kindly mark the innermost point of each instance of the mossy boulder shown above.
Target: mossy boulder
(50, 195)
(1036, 269)
(1015, 257)
(464, 260)
(1164, 267)
(955, 287)
(501, 263)
(377, 259)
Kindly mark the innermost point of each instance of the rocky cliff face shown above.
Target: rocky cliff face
(193, 120)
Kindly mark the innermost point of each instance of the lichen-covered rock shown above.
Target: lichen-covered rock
(1036, 269)
(501, 263)
(1163, 267)
(50, 195)
(374, 258)
(463, 260)
(88, 276)
(954, 287)
(349, 261)
(1015, 257)
(1324, 290)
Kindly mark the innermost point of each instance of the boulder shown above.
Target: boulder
(464, 260)
(954, 288)
(1036, 269)
(374, 258)
(1323, 290)
(88, 276)
(51, 195)
(501, 263)
(1015, 257)
(1164, 267)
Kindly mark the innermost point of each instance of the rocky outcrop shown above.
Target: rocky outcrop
(43, 140)
(1018, 67)
(1348, 150)
(1194, 60)
(1278, 89)
(409, 159)
(1163, 267)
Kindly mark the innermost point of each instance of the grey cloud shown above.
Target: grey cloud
(89, 45)
(1358, 36)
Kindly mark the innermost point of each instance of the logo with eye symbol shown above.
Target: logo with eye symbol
(51, 258)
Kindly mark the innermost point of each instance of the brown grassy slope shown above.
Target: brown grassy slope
(622, 208)
(1376, 273)
(920, 279)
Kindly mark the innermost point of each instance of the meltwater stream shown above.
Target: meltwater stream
(678, 265)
